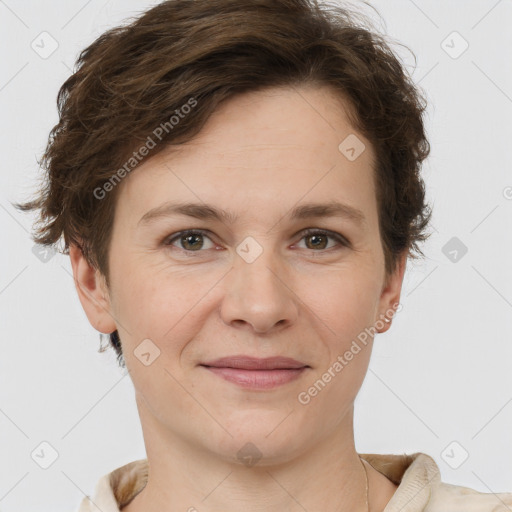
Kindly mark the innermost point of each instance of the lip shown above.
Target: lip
(255, 373)
(255, 363)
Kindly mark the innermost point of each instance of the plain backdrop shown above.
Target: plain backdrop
(440, 379)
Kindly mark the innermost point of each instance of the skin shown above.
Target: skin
(260, 155)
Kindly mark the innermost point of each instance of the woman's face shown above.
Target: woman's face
(252, 283)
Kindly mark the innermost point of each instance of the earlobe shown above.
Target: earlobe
(390, 296)
(92, 292)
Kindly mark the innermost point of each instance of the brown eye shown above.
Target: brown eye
(318, 240)
(190, 241)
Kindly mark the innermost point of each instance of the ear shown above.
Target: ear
(390, 296)
(92, 292)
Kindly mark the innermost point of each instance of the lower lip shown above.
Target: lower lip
(257, 379)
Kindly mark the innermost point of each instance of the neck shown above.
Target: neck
(183, 475)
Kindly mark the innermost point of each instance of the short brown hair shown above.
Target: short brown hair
(137, 77)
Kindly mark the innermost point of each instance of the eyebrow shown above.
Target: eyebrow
(208, 212)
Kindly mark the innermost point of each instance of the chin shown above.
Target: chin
(262, 439)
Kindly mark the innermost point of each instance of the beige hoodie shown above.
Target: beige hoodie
(417, 476)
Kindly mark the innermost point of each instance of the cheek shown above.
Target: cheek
(344, 301)
(344, 312)
(165, 308)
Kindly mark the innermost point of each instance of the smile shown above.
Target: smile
(257, 379)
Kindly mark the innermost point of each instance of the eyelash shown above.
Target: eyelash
(344, 242)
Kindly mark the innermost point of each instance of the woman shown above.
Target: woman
(238, 188)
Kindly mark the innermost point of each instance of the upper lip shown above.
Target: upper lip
(255, 363)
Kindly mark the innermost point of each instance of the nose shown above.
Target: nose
(259, 295)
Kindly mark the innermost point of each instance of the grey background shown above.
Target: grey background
(440, 375)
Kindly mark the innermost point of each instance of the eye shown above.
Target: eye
(193, 240)
(190, 240)
(319, 238)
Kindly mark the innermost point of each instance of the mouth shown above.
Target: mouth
(255, 373)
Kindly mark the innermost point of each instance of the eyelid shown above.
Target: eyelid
(341, 239)
(168, 240)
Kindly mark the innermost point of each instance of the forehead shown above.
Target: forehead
(278, 144)
(304, 118)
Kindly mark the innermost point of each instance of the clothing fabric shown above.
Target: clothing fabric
(417, 475)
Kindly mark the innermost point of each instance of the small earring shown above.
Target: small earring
(387, 320)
